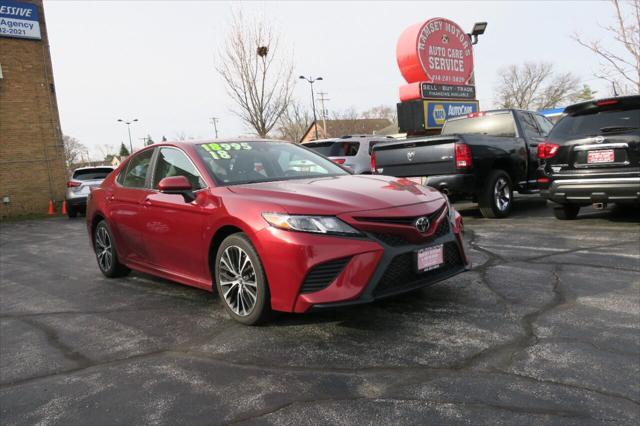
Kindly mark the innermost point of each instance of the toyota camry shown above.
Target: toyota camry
(272, 226)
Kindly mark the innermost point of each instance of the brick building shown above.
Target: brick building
(32, 168)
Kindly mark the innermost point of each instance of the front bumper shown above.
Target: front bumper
(365, 269)
(585, 190)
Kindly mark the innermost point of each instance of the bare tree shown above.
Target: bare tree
(294, 122)
(620, 57)
(107, 151)
(74, 151)
(382, 111)
(534, 85)
(258, 78)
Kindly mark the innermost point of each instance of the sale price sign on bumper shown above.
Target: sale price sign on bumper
(19, 20)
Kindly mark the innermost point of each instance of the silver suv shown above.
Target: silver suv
(352, 151)
(80, 184)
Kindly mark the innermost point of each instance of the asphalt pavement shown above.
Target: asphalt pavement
(544, 330)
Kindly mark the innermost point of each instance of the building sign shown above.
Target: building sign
(430, 91)
(436, 112)
(19, 20)
(436, 51)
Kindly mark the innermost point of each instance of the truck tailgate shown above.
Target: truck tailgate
(417, 158)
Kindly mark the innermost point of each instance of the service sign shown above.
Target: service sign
(437, 51)
(19, 20)
(437, 112)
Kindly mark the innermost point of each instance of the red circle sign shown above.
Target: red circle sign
(436, 51)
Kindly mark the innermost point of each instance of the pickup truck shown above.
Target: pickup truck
(483, 156)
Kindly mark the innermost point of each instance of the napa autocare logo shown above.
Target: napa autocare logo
(19, 20)
(437, 112)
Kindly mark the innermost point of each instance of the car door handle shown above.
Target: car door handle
(148, 203)
(111, 197)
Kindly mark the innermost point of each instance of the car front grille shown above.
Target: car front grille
(398, 241)
(322, 275)
(401, 273)
(405, 220)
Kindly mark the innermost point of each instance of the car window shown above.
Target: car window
(579, 126)
(137, 169)
(173, 162)
(92, 174)
(491, 124)
(544, 123)
(529, 125)
(323, 148)
(249, 162)
(335, 149)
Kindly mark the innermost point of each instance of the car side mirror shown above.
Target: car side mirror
(177, 185)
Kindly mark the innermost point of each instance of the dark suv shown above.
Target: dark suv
(592, 156)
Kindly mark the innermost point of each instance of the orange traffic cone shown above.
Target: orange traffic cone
(51, 211)
(64, 207)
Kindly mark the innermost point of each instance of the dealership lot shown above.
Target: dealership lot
(545, 328)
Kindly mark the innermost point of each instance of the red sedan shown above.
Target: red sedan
(273, 225)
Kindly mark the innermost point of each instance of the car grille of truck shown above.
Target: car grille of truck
(401, 274)
(398, 241)
(322, 275)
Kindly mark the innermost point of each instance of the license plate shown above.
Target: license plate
(602, 156)
(430, 258)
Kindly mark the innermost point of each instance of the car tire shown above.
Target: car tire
(496, 198)
(566, 211)
(106, 254)
(241, 281)
(71, 211)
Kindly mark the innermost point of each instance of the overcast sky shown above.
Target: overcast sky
(155, 60)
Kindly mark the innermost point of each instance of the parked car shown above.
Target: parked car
(353, 152)
(592, 156)
(80, 184)
(483, 156)
(269, 235)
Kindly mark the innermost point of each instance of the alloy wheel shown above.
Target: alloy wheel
(238, 280)
(502, 194)
(103, 249)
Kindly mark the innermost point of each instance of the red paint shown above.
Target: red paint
(161, 234)
(410, 92)
(436, 51)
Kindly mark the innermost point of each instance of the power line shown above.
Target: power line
(214, 121)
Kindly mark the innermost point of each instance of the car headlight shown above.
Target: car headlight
(316, 224)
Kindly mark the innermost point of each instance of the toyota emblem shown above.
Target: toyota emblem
(411, 155)
(422, 224)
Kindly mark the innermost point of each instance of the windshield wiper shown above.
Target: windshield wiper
(612, 129)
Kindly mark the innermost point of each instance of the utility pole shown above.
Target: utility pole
(214, 121)
(323, 112)
(144, 140)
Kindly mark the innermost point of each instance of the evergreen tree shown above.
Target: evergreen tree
(124, 152)
(164, 139)
(585, 94)
(149, 141)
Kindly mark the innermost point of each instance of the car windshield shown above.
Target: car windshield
(235, 163)
(500, 124)
(599, 123)
(92, 174)
(335, 149)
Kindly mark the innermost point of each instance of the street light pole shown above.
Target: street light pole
(128, 123)
(311, 80)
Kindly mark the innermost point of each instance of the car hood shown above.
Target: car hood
(339, 194)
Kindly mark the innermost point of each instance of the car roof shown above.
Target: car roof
(93, 167)
(597, 104)
(234, 140)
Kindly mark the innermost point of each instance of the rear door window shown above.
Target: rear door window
(529, 125)
(323, 148)
(335, 149)
(600, 123)
(137, 170)
(92, 174)
(544, 123)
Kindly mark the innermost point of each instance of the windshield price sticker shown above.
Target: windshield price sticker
(219, 151)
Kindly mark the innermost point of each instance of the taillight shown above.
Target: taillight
(547, 150)
(606, 102)
(463, 156)
(373, 162)
(72, 184)
(338, 160)
(544, 180)
(476, 114)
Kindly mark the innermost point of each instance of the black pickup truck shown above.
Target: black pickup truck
(483, 156)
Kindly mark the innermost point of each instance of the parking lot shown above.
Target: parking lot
(544, 329)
